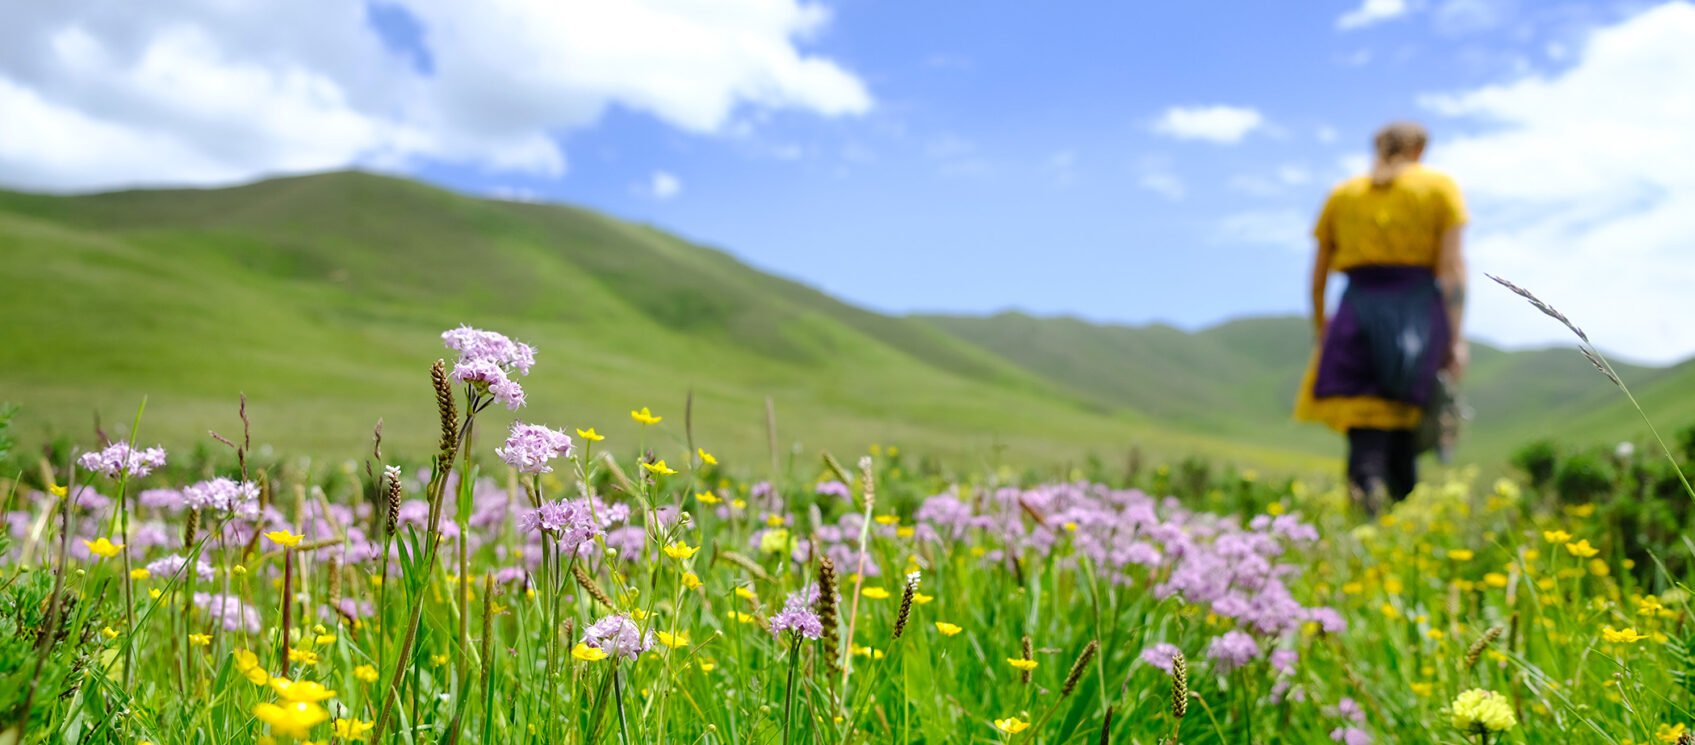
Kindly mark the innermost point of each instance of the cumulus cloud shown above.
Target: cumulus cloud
(99, 94)
(1372, 12)
(1581, 191)
(1225, 125)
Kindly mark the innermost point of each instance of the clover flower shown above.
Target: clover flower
(234, 498)
(1478, 712)
(798, 615)
(618, 635)
(569, 522)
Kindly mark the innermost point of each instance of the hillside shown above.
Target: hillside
(321, 297)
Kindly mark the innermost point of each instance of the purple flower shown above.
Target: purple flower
(834, 488)
(168, 567)
(1161, 656)
(1232, 650)
(1284, 660)
(162, 499)
(491, 377)
(797, 615)
(530, 447)
(229, 610)
(119, 458)
(616, 634)
(474, 344)
(570, 523)
(1350, 709)
(1350, 736)
(224, 495)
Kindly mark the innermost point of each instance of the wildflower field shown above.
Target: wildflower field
(532, 581)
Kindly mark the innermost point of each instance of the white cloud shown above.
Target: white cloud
(1581, 190)
(1221, 124)
(1164, 183)
(1285, 229)
(1372, 12)
(664, 185)
(1285, 178)
(1325, 134)
(102, 94)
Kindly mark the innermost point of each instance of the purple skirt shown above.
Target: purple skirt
(1388, 339)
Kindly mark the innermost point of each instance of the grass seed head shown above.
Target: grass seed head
(1078, 667)
(1179, 686)
(590, 586)
(448, 410)
(1475, 651)
(1029, 651)
(906, 604)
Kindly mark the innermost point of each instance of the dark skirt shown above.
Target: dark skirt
(1388, 339)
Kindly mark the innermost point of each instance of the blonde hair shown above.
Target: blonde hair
(1398, 144)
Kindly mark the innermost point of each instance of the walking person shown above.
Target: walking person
(1396, 338)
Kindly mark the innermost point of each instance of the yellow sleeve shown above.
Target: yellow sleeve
(1325, 229)
(1450, 203)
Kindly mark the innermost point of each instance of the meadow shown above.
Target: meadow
(517, 582)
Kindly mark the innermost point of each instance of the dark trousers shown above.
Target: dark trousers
(1382, 461)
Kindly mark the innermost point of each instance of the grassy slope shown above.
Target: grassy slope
(321, 297)
(1237, 379)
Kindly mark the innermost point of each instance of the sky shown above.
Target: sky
(1118, 162)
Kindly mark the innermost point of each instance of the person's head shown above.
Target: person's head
(1398, 144)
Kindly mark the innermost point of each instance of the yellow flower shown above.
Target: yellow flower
(308, 691)
(645, 417)
(690, 580)
(353, 729)
(906, 531)
(247, 664)
(707, 497)
(293, 719)
(1353, 588)
(1581, 549)
(284, 538)
(57, 490)
(1021, 664)
(199, 640)
(103, 548)
(774, 541)
(1390, 611)
(1670, 732)
(239, 570)
(438, 660)
(1461, 554)
(1478, 711)
(947, 629)
(324, 640)
(139, 574)
(745, 593)
(673, 640)
(587, 653)
(919, 598)
(1495, 579)
(706, 457)
(1599, 568)
(888, 519)
(1621, 636)
(1556, 536)
(774, 520)
(680, 550)
(1423, 689)
(738, 504)
(744, 617)
(1011, 725)
(660, 468)
(875, 654)
(365, 674)
(706, 666)
(875, 593)
(155, 593)
(109, 632)
(590, 435)
(303, 656)
(1580, 510)
(1648, 606)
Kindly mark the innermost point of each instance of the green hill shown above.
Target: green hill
(322, 297)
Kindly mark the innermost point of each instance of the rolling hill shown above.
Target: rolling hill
(321, 297)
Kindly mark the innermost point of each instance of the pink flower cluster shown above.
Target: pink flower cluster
(119, 458)
(487, 360)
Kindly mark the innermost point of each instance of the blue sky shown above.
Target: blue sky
(1127, 162)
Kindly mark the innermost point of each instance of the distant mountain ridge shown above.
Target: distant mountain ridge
(321, 297)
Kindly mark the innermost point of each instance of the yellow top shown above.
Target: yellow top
(1400, 224)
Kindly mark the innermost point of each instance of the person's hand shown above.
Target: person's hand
(1459, 356)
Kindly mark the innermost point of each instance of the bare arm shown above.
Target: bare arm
(1450, 276)
(1320, 282)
